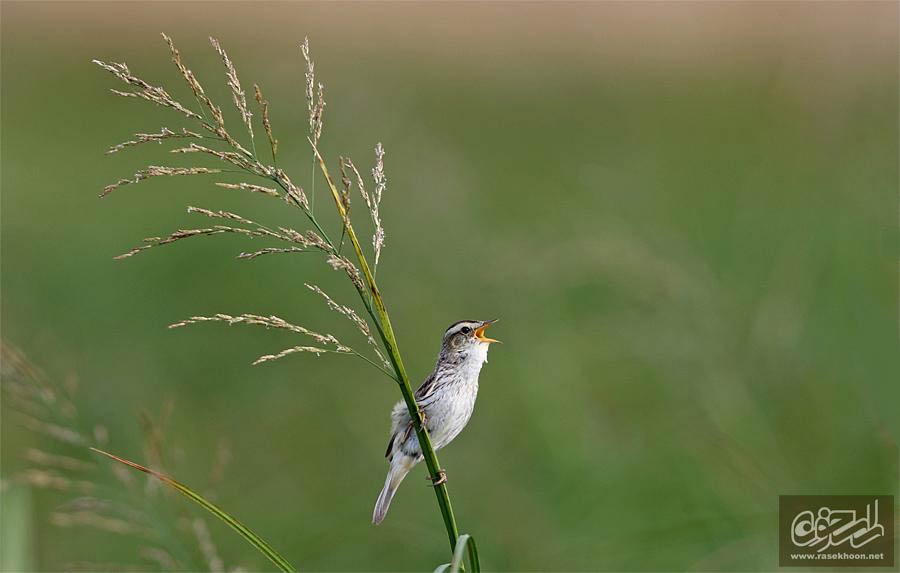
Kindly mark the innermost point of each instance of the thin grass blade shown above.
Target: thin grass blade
(260, 544)
(464, 542)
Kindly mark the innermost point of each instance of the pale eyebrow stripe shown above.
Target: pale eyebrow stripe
(455, 324)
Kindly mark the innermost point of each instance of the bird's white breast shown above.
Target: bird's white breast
(449, 415)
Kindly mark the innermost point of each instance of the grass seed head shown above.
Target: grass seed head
(237, 92)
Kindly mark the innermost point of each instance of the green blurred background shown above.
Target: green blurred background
(684, 213)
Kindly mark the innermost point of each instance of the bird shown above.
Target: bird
(446, 400)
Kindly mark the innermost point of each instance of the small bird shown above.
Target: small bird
(446, 399)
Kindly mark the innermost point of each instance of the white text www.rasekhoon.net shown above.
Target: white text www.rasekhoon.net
(841, 555)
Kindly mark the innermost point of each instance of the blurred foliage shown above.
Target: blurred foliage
(694, 262)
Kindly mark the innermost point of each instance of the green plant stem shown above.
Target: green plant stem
(376, 365)
(309, 214)
(386, 332)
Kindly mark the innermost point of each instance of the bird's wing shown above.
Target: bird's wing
(426, 388)
(401, 416)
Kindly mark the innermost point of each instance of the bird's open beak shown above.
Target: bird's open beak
(479, 332)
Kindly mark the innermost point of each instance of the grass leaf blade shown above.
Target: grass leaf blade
(260, 544)
(465, 541)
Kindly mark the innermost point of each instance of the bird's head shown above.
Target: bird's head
(467, 337)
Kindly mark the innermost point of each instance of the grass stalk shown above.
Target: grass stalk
(386, 331)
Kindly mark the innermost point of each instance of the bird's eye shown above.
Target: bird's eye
(466, 330)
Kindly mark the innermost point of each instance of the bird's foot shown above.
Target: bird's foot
(441, 479)
(423, 416)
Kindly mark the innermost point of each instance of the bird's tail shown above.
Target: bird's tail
(399, 468)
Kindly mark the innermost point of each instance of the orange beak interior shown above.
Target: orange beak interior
(479, 333)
